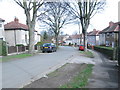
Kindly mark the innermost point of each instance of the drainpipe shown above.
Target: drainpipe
(15, 40)
(119, 46)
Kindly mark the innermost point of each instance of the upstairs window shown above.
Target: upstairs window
(108, 34)
(0, 25)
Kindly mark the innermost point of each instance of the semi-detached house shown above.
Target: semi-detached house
(93, 37)
(17, 33)
(2, 32)
(109, 35)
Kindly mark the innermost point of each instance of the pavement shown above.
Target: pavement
(105, 73)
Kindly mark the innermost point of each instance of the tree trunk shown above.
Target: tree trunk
(31, 28)
(85, 38)
(31, 40)
(85, 41)
(56, 38)
(81, 39)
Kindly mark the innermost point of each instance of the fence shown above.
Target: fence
(14, 49)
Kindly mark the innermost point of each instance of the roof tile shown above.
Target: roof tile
(15, 25)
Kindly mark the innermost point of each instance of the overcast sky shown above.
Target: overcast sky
(9, 10)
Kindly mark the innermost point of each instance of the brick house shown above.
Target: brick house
(110, 34)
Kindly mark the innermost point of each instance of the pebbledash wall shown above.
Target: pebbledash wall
(2, 33)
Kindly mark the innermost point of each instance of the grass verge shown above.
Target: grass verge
(87, 54)
(12, 57)
(80, 80)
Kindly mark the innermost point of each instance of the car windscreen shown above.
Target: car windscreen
(46, 45)
(81, 45)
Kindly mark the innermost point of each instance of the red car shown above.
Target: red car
(81, 47)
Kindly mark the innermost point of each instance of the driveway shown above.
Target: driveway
(17, 73)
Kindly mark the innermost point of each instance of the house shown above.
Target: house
(2, 32)
(93, 37)
(61, 39)
(68, 41)
(76, 39)
(37, 37)
(16, 33)
(110, 34)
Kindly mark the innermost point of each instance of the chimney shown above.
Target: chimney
(94, 29)
(111, 23)
(16, 19)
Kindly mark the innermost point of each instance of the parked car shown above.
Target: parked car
(81, 47)
(48, 47)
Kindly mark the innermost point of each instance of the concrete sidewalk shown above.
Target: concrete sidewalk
(105, 73)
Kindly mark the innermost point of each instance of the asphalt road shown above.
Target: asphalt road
(17, 73)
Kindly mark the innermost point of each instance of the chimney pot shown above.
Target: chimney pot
(16, 19)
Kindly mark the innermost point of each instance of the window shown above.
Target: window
(112, 34)
(107, 35)
(0, 25)
(1, 39)
(107, 43)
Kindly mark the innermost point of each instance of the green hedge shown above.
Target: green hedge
(107, 51)
(3, 51)
(119, 55)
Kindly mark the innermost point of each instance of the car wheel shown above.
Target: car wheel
(43, 51)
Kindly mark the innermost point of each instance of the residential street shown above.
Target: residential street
(17, 73)
(104, 74)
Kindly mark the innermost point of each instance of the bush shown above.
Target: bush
(19, 45)
(41, 43)
(3, 50)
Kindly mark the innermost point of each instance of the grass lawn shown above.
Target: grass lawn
(12, 57)
(80, 80)
(87, 54)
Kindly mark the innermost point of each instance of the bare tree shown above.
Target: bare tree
(84, 10)
(30, 8)
(56, 17)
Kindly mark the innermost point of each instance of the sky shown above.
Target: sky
(9, 10)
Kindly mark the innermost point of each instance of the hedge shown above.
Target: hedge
(3, 51)
(107, 51)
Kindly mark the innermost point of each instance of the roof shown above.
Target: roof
(93, 33)
(69, 38)
(76, 36)
(15, 25)
(2, 20)
(113, 28)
